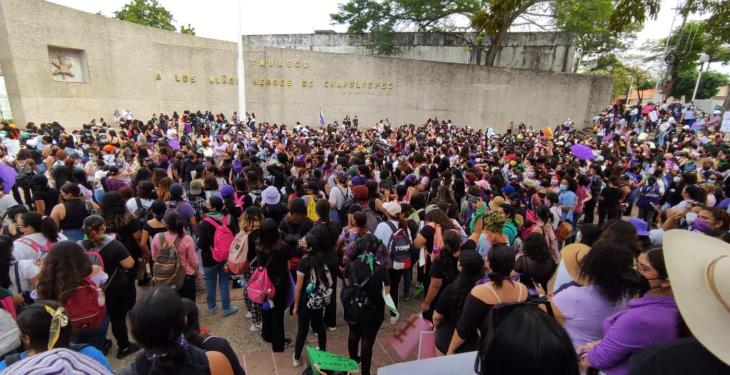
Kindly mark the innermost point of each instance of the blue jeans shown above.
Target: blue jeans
(73, 234)
(213, 275)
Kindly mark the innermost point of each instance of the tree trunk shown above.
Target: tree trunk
(494, 45)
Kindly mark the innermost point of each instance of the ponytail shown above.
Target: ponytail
(49, 229)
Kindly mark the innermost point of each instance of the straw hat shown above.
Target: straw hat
(699, 269)
(496, 203)
(572, 255)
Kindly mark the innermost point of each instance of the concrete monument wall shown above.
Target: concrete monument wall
(66, 65)
(548, 51)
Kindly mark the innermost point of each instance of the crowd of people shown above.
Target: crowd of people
(540, 258)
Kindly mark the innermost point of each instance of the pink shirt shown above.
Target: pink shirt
(185, 250)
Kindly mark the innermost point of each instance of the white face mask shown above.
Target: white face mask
(677, 179)
(690, 217)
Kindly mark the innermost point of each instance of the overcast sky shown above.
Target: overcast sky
(217, 18)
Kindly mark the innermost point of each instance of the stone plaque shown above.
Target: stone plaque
(67, 65)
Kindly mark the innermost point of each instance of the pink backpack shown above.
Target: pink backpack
(260, 288)
(222, 239)
(238, 256)
(238, 200)
(41, 250)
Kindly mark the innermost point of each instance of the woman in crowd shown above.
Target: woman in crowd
(70, 214)
(39, 234)
(650, 319)
(153, 226)
(158, 323)
(45, 326)
(251, 224)
(600, 289)
(525, 341)
(205, 341)
(44, 196)
(451, 302)
(125, 226)
(498, 290)
(443, 272)
(362, 270)
(215, 274)
(295, 225)
(185, 249)
(545, 228)
(312, 294)
(436, 220)
(143, 200)
(10, 227)
(535, 263)
(327, 232)
(119, 288)
(274, 254)
(17, 276)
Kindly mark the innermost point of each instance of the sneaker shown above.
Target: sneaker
(230, 311)
(332, 329)
(295, 361)
(132, 348)
(212, 311)
(394, 319)
(249, 315)
(255, 327)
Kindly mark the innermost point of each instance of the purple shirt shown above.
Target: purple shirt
(648, 320)
(584, 309)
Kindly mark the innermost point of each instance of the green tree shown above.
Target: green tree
(488, 20)
(150, 13)
(623, 75)
(710, 83)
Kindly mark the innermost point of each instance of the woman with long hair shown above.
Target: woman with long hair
(39, 234)
(443, 271)
(185, 249)
(250, 223)
(295, 225)
(544, 227)
(44, 196)
(273, 253)
(70, 213)
(314, 282)
(215, 274)
(123, 224)
(437, 223)
(158, 323)
(600, 290)
(451, 301)
(500, 289)
(19, 277)
(535, 263)
(153, 226)
(364, 329)
(622, 232)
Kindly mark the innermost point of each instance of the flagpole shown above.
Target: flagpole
(241, 67)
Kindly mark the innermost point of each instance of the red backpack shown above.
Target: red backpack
(41, 250)
(222, 239)
(85, 306)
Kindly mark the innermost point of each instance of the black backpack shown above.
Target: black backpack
(356, 303)
(399, 246)
(346, 204)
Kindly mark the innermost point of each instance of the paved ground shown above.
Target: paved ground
(256, 355)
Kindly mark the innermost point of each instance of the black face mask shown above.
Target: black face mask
(638, 282)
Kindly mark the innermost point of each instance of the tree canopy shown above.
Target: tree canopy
(599, 24)
(150, 13)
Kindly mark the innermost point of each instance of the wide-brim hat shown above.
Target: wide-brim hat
(699, 270)
(572, 255)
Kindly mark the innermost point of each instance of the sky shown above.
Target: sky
(217, 18)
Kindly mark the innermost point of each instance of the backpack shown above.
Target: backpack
(41, 250)
(238, 255)
(320, 293)
(260, 288)
(312, 209)
(9, 333)
(399, 247)
(141, 213)
(348, 201)
(167, 269)
(356, 303)
(255, 197)
(85, 306)
(222, 239)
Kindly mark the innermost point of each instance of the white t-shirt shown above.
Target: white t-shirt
(336, 195)
(27, 270)
(6, 202)
(132, 204)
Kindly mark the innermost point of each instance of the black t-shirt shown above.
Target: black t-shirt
(328, 233)
(49, 197)
(113, 253)
(451, 314)
(210, 343)
(305, 267)
(125, 235)
(683, 356)
(428, 232)
(611, 196)
(275, 211)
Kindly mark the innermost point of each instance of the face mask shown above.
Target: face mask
(563, 187)
(531, 174)
(701, 225)
(553, 182)
(677, 180)
(690, 217)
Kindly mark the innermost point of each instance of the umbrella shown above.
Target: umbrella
(7, 174)
(582, 152)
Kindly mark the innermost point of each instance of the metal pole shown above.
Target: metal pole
(241, 67)
(628, 94)
(697, 84)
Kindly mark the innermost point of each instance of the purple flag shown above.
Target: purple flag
(7, 174)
